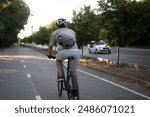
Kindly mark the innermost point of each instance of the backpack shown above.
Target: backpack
(66, 41)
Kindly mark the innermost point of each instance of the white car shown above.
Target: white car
(99, 47)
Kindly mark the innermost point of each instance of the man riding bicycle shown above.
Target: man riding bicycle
(65, 40)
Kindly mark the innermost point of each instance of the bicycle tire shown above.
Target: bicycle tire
(72, 83)
(60, 87)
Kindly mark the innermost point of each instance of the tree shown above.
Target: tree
(85, 23)
(13, 17)
(141, 10)
(42, 36)
(124, 22)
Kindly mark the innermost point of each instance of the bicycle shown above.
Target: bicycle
(69, 83)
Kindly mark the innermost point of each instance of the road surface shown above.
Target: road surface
(26, 74)
(127, 55)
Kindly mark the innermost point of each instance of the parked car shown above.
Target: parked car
(99, 47)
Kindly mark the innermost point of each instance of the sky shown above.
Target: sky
(45, 11)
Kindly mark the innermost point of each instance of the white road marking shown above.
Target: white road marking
(21, 56)
(38, 97)
(28, 75)
(132, 91)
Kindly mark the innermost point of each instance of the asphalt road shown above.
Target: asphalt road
(26, 74)
(127, 55)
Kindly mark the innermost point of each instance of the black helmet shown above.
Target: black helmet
(61, 22)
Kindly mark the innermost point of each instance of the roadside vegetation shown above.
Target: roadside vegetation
(13, 16)
(118, 22)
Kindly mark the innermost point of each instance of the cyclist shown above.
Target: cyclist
(63, 53)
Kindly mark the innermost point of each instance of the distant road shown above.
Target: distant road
(130, 55)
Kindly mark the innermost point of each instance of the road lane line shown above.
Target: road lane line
(38, 97)
(28, 75)
(21, 56)
(35, 92)
(132, 91)
(24, 66)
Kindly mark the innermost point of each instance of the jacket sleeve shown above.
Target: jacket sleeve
(52, 41)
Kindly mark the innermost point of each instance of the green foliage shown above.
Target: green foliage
(13, 17)
(42, 36)
(125, 22)
(85, 23)
(5, 3)
(119, 22)
(51, 26)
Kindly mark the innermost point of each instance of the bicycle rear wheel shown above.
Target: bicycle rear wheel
(60, 87)
(72, 88)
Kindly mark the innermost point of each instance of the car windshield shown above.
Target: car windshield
(100, 43)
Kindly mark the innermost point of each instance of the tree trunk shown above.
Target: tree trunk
(42, 46)
(118, 55)
(82, 52)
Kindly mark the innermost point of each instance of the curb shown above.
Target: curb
(113, 62)
(122, 64)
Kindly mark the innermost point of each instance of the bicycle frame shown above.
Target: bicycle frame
(66, 76)
(68, 82)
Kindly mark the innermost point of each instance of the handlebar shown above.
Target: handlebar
(51, 57)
